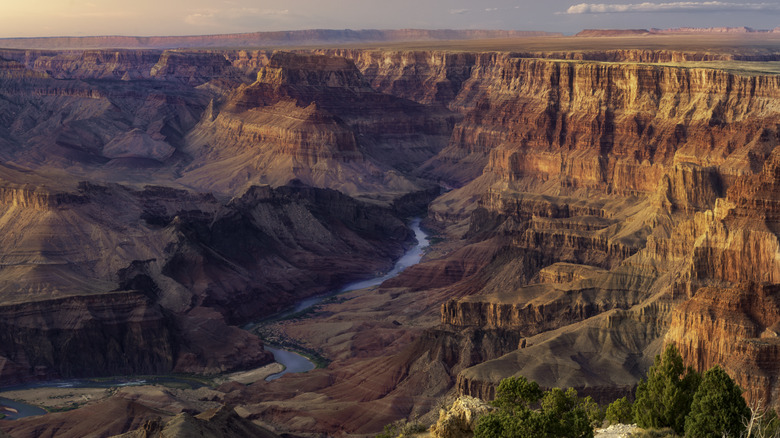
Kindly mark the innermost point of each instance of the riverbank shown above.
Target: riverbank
(43, 397)
(297, 358)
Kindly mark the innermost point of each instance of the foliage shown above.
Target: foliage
(666, 432)
(595, 412)
(525, 411)
(515, 393)
(619, 411)
(664, 399)
(564, 415)
(402, 428)
(718, 408)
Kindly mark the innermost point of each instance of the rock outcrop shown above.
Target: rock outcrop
(100, 335)
(460, 420)
(215, 423)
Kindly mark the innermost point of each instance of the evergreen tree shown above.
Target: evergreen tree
(619, 411)
(563, 414)
(718, 408)
(516, 393)
(664, 399)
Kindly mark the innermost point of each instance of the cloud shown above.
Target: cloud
(490, 9)
(710, 6)
(458, 11)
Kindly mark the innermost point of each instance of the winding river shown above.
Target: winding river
(296, 363)
(293, 362)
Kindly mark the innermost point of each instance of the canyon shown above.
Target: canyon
(588, 203)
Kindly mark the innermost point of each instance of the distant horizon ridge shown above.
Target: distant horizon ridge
(282, 38)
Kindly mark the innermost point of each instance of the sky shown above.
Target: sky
(28, 18)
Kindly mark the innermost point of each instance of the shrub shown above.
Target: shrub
(559, 414)
(401, 428)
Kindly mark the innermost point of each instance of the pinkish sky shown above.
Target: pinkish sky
(25, 18)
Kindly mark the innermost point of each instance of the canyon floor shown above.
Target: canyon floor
(588, 200)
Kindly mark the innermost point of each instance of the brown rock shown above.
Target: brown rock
(460, 420)
(222, 422)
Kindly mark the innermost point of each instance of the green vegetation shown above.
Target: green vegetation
(619, 411)
(402, 428)
(525, 411)
(671, 400)
(718, 407)
(666, 432)
(64, 408)
(675, 399)
(177, 380)
(435, 239)
(664, 399)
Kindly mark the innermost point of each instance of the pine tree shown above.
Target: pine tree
(664, 399)
(619, 411)
(718, 408)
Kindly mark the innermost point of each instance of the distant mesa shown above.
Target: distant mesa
(672, 31)
(262, 39)
(612, 32)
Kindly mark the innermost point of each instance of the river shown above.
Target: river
(20, 410)
(296, 363)
(293, 362)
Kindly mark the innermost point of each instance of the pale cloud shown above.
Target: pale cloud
(490, 9)
(458, 11)
(710, 6)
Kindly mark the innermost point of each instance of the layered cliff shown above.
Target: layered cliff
(732, 268)
(194, 68)
(622, 168)
(561, 114)
(80, 122)
(610, 125)
(316, 119)
(94, 335)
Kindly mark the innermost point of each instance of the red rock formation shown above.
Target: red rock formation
(315, 119)
(732, 321)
